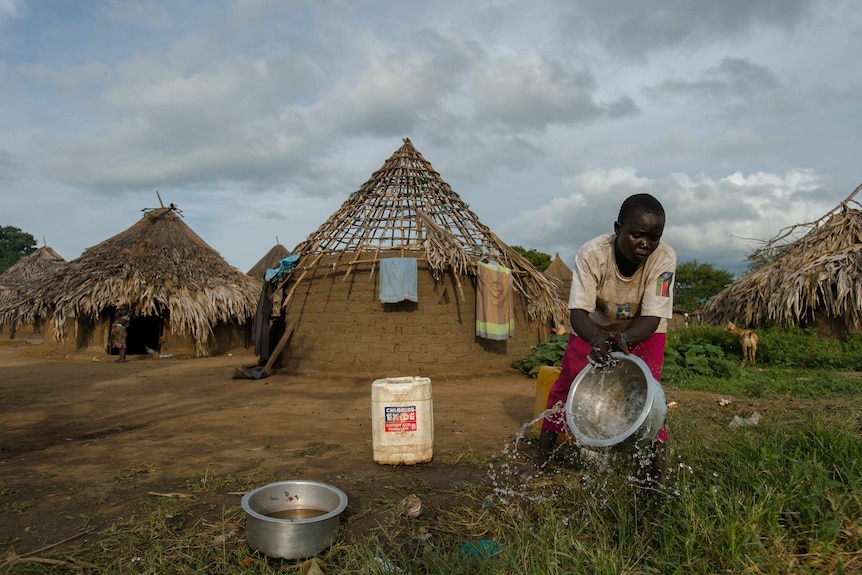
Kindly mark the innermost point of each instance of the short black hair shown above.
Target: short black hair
(639, 203)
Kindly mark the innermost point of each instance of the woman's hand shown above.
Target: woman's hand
(619, 339)
(600, 355)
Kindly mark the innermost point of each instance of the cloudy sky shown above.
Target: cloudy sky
(258, 118)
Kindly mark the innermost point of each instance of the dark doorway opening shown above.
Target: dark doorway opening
(144, 332)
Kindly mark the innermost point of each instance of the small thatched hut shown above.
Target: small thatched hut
(561, 274)
(816, 280)
(184, 297)
(268, 261)
(32, 269)
(332, 297)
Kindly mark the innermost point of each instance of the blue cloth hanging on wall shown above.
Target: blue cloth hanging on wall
(399, 280)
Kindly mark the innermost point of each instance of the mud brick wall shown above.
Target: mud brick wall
(343, 328)
(93, 335)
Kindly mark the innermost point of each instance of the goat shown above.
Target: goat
(748, 340)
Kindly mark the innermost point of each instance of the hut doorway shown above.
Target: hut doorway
(144, 332)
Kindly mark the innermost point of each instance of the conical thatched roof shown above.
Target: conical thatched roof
(821, 272)
(159, 266)
(562, 275)
(268, 261)
(33, 268)
(406, 206)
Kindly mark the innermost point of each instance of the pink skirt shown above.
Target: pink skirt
(651, 350)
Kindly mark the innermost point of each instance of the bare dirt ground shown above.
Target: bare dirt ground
(89, 443)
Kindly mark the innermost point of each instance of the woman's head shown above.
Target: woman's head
(639, 227)
(639, 202)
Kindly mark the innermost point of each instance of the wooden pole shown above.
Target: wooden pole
(278, 348)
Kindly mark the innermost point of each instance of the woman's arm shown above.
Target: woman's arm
(638, 329)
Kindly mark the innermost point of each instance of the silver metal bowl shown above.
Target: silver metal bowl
(620, 406)
(292, 519)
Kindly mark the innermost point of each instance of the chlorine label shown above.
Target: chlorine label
(400, 418)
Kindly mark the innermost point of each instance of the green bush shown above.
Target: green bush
(700, 350)
(710, 351)
(547, 352)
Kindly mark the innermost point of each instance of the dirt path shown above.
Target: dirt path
(86, 438)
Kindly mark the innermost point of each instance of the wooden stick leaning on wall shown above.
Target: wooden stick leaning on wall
(287, 332)
(278, 348)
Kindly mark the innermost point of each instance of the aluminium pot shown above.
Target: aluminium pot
(621, 406)
(292, 519)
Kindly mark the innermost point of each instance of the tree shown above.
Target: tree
(14, 245)
(696, 283)
(540, 260)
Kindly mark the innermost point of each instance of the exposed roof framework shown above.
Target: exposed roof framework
(407, 207)
(382, 214)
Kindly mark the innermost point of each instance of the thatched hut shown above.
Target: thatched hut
(561, 275)
(184, 297)
(270, 260)
(332, 297)
(32, 269)
(815, 281)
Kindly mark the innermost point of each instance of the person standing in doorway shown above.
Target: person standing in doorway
(119, 331)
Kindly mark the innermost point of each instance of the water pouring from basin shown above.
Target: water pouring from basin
(620, 406)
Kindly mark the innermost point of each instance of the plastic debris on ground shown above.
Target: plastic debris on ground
(311, 567)
(752, 419)
(410, 506)
(482, 549)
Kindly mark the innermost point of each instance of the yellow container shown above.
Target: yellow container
(547, 376)
(402, 420)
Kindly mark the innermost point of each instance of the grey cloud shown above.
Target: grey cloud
(9, 9)
(732, 79)
(536, 90)
(8, 167)
(636, 28)
(135, 12)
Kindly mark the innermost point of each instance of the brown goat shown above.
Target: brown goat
(748, 341)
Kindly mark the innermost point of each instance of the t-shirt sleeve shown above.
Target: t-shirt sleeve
(658, 287)
(584, 283)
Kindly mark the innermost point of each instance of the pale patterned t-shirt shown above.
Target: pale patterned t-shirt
(613, 299)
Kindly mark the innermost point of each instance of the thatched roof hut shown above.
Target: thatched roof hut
(561, 274)
(268, 261)
(30, 270)
(406, 210)
(815, 281)
(184, 295)
(33, 268)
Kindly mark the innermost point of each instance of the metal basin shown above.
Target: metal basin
(620, 406)
(292, 519)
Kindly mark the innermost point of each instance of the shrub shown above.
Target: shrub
(708, 350)
(547, 352)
